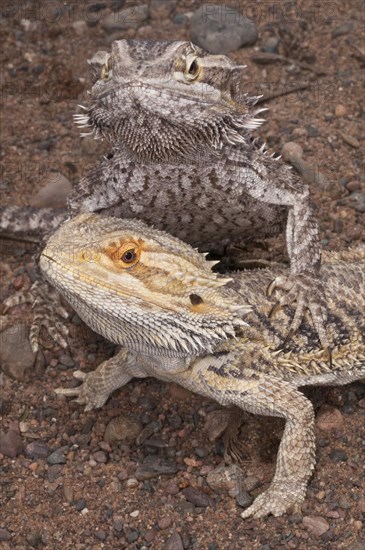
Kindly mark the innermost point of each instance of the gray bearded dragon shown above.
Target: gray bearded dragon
(182, 159)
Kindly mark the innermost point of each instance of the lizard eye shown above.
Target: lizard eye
(126, 255)
(129, 256)
(192, 68)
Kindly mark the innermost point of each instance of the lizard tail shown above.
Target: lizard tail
(29, 223)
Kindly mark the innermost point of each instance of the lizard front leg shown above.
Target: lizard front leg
(261, 394)
(99, 384)
(277, 184)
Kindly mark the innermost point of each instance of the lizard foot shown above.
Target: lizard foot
(47, 310)
(278, 499)
(88, 393)
(306, 290)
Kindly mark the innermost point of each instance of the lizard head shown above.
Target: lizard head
(141, 288)
(167, 101)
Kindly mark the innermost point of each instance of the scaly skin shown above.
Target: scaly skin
(183, 160)
(176, 320)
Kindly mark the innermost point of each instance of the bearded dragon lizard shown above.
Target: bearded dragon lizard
(178, 321)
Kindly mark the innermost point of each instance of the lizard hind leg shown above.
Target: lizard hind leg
(265, 395)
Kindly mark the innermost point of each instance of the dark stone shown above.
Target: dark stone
(174, 542)
(79, 504)
(221, 29)
(243, 499)
(58, 456)
(36, 449)
(11, 443)
(132, 536)
(313, 131)
(196, 497)
(338, 455)
(66, 360)
(101, 535)
(54, 472)
(174, 421)
(153, 466)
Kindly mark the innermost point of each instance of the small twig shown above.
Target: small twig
(350, 140)
(285, 91)
(267, 58)
(25, 239)
(292, 153)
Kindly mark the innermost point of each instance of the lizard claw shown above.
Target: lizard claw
(276, 500)
(307, 292)
(88, 393)
(275, 308)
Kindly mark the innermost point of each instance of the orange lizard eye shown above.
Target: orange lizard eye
(127, 254)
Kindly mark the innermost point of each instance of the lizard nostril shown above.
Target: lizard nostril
(195, 299)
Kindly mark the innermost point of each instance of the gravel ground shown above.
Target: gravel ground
(135, 474)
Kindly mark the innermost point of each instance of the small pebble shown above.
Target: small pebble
(344, 503)
(54, 472)
(198, 498)
(316, 525)
(340, 110)
(313, 131)
(353, 186)
(122, 428)
(11, 443)
(290, 150)
(134, 514)
(132, 536)
(36, 449)
(80, 504)
(101, 535)
(100, 457)
(118, 522)
(357, 201)
(329, 418)
(171, 488)
(58, 456)
(174, 542)
(164, 522)
(338, 455)
(66, 360)
(154, 466)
